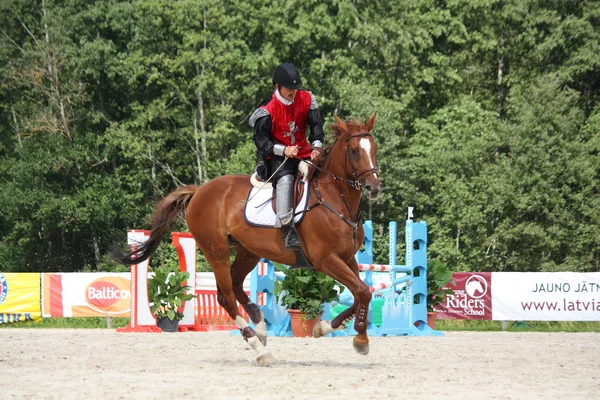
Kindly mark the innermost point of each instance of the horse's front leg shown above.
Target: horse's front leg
(347, 275)
(340, 322)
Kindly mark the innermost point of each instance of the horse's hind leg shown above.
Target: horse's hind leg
(219, 262)
(324, 327)
(245, 261)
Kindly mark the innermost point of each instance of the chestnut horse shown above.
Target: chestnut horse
(331, 232)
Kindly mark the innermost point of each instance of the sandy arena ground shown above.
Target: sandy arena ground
(103, 364)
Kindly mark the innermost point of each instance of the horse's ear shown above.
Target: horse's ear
(371, 123)
(340, 124)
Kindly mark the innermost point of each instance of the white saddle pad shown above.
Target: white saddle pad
(259, 212)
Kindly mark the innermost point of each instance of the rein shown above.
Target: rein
(355, 184)
(321, 201)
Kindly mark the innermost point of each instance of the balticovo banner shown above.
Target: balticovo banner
(85, 294)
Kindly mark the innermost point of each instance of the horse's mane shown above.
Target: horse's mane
(353, 125)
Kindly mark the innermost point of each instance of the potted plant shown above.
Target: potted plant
(304, 293)
(167, 293)
(438, 277)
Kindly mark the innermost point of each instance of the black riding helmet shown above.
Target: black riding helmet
(287, 75)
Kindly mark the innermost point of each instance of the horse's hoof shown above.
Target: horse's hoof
(265, 359)
(361, 347)
(321, 328)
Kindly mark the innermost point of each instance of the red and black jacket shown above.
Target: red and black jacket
(277, 123)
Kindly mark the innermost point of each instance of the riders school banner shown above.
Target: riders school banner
(86, 295)
(472, 298)
(546, 296)
(19, 297)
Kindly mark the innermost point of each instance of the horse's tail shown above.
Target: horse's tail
(166, 211)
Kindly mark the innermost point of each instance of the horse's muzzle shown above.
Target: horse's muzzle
(373, 187)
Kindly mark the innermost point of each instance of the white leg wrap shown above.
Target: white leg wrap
(262, 354)
(261, 329)
(323, 328)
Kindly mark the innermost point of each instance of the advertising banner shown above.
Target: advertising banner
(19, 297)
(546, 296)
(86, 294)
(472, 298)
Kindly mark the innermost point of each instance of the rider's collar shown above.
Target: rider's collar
(281, 99)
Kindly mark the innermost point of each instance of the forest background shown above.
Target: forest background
(488, 118)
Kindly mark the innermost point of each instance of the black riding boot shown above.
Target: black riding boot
(291, 240)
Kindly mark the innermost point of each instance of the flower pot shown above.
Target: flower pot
(431, 319)
(166, 325)
(301, 327)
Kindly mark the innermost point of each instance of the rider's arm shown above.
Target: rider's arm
(315, 122)
(262, 138)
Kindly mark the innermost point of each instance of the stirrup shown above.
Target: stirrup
(291, 240)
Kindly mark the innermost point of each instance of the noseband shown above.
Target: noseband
(356, 174)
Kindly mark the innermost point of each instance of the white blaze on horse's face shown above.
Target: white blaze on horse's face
(365, 144)
(368, 171)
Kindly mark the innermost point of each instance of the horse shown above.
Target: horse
(330, 232)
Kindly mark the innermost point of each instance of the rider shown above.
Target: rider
(280, 136)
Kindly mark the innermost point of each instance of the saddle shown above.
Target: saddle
(258, 211)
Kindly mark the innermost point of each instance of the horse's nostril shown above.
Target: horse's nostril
(368, 187)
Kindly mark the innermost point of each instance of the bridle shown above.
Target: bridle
(353, 222)
(355, 174)
(356, 182)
